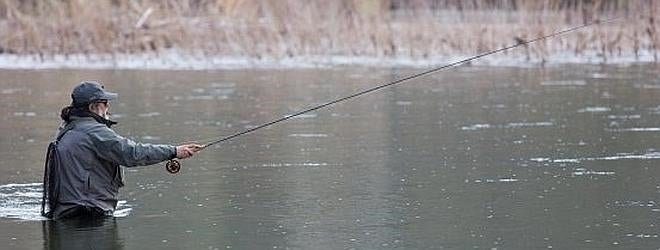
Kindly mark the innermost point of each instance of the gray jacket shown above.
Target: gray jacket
(90, 155)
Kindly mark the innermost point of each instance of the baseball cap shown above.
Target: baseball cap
(90, 91)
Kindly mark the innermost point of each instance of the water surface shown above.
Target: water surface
(474, 157)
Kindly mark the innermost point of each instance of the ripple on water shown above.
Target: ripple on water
(508, 125)
(624, 117)
(594, 110)
(642, 235)
(308, 135)
(646, 129)
(11, 91)
(306, 116)
(150, 114)
(586, 172)
(564, 83)
(647, 86)
(23, 201)
(222, 84)
(300, 164)
(496, 180)
(620, 156)
(633, 203)
(150, 138)
(25, 114)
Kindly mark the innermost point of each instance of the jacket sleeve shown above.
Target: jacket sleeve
(114, 148)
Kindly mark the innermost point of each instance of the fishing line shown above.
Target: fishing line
(173, 166)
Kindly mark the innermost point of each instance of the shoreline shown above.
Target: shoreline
(183, 61)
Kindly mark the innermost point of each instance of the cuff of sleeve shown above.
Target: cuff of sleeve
(173, 156)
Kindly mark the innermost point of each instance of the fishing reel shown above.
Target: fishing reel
(173, 166)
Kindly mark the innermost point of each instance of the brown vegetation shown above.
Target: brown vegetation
(290, 28)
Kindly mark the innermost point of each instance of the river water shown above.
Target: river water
(563, 157)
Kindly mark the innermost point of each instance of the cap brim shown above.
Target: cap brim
(109, 96)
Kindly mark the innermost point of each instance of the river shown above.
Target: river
(563, 157)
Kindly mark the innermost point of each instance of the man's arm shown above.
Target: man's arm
(114, 148)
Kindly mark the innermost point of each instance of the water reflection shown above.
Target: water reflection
(82, 233)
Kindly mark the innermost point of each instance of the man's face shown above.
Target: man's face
(101, 108)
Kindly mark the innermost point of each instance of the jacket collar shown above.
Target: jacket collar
(92, 116)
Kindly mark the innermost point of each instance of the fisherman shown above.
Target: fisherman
(83, 174)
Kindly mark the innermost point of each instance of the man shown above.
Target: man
(83, 174)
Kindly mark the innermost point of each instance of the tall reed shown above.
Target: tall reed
(292, 28)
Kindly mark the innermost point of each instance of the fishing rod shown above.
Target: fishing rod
(173, 166)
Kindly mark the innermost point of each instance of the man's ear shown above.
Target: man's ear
(92, 107)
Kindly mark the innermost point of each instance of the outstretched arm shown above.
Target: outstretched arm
(114, 148)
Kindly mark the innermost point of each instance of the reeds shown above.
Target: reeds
(292, 28)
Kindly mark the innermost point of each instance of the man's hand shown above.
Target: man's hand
(187, 150)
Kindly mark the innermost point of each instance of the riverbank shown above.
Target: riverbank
(248, 33)
(181, 61)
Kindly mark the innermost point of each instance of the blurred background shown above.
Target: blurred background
(348, 29)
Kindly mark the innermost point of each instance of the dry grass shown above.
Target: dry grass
(290, 28)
